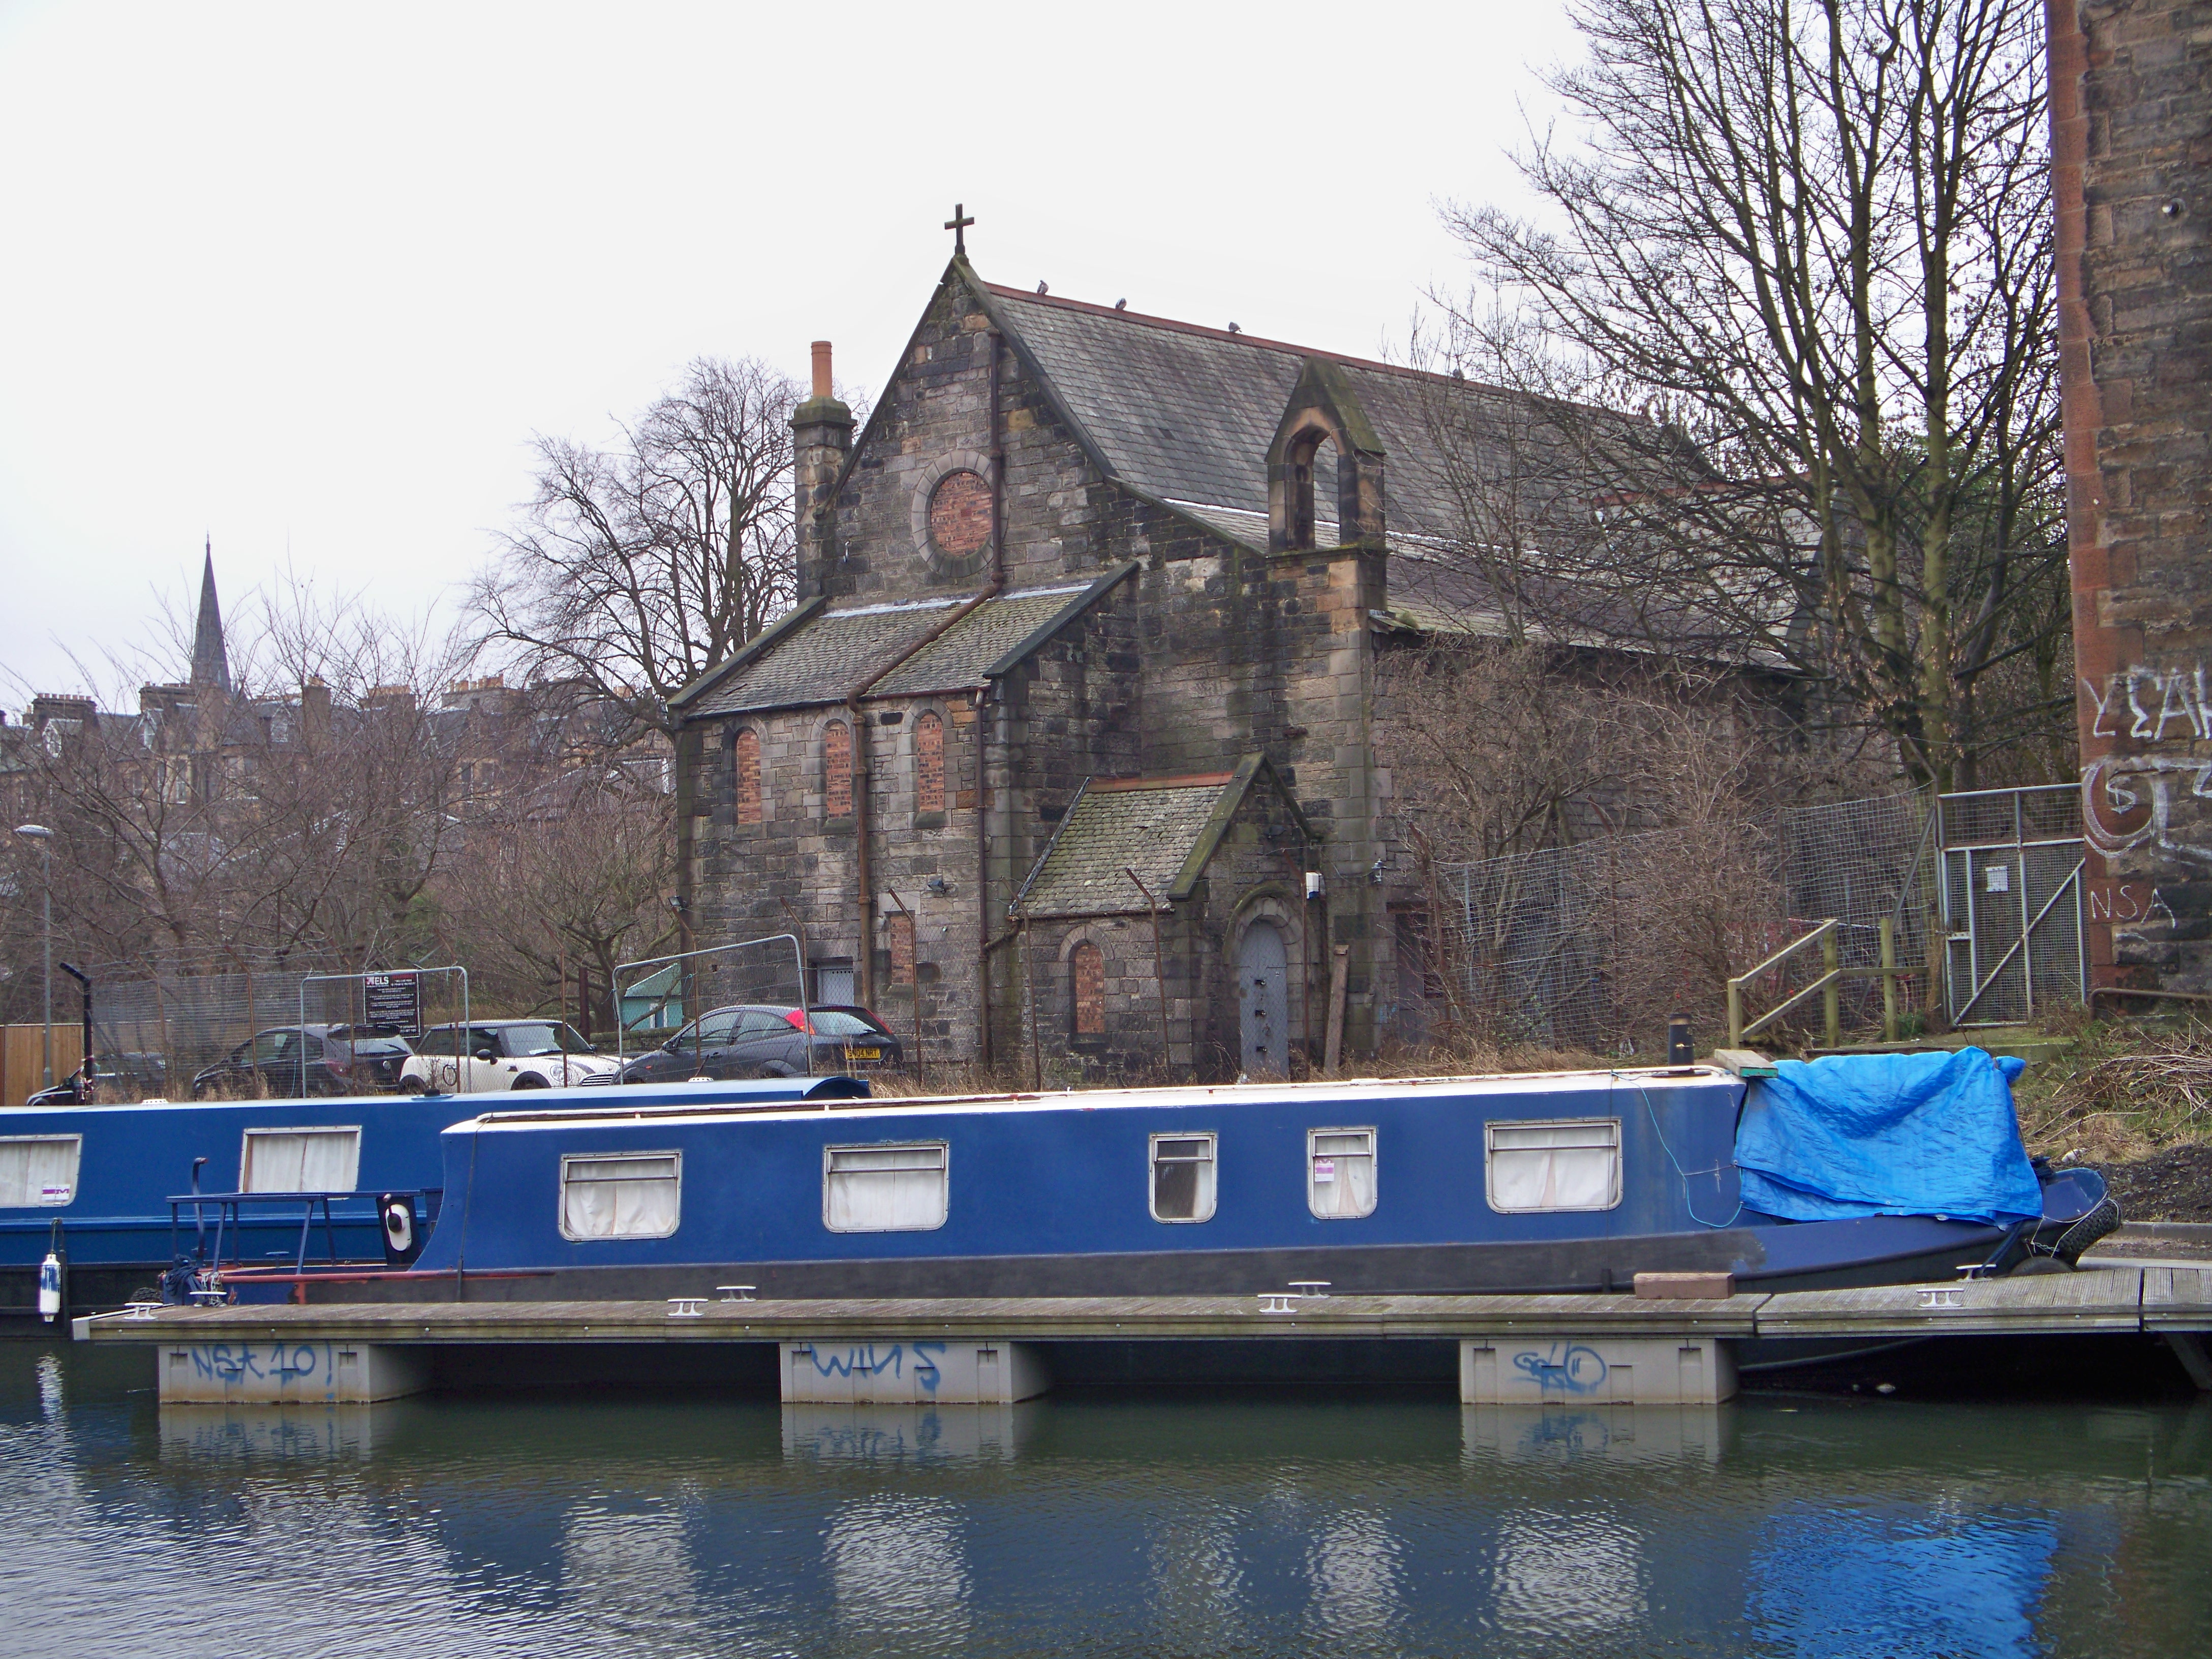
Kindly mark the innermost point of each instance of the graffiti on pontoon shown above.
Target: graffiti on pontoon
(1569, 1367)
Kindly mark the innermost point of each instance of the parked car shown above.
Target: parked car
(121, 1078)
(338, 1059)
(770, 1040)
(489, 1054)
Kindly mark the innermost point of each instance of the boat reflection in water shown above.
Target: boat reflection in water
(1094, 1524)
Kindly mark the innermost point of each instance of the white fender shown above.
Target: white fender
(50, 1288)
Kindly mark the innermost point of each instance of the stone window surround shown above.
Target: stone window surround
(817, 762)
(1094, 932)
(923, 487)
(737, 818)
(932, 817)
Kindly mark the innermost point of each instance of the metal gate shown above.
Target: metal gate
(2010, 888)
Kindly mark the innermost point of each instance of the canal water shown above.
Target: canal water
(1285, 1523)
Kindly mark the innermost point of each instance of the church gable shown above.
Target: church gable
(929, 489)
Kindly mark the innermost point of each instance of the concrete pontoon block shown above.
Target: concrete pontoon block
(290, 1373)
(1596, 1371)
(839, 1370)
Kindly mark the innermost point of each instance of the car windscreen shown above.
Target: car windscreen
(544, 1039)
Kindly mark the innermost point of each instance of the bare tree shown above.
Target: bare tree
(638, 568)
(569, 872)
(1812, 243)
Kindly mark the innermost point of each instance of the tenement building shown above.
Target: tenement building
(1068, 749)
(2131, 131)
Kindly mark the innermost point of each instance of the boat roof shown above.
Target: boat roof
(1351, 1090)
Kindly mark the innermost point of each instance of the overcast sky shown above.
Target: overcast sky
(305, 278)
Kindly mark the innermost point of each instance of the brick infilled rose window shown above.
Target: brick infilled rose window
(837, 770)
(747, 748)
(960, 514)
(901, 935)
(1088, 964)
(929, 764)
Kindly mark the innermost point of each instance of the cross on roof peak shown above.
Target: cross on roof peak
(957, 224)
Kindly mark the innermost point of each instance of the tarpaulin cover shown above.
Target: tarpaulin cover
(1887, 1134)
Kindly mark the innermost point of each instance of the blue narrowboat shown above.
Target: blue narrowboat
(1554, 1182)
(277, 1179)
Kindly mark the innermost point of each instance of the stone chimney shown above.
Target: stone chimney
(822, 434)
(315, 709)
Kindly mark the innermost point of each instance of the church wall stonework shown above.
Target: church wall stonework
(1212, 651)
(2131, 129)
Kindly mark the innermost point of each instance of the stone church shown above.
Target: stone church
(1067, 754)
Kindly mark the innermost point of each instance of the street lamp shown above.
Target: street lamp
(45, 837)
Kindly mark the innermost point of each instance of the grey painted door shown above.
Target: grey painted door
(1262, 1001)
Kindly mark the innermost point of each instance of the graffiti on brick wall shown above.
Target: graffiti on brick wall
(2129, 801)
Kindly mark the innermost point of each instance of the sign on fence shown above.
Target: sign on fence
(393, 999)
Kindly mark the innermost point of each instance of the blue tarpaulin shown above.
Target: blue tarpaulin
(1887, 1134)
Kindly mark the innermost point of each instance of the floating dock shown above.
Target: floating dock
(1512, 1349)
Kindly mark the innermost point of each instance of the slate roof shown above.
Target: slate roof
(824, 658)
(977, 642)
(1152, 829)
(1187, 414)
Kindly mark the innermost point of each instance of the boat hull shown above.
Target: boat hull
(1804, 1256)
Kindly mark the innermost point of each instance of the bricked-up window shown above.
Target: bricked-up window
(929, 764)
(1086, 966)
(837, 770)
(960, 514)
(901, 927)
(747, 751)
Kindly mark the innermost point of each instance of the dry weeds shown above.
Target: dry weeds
(2125, 1090)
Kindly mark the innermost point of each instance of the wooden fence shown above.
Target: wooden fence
(22, 1068)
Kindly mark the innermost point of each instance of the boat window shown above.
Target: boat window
(1340, 1173)
(300, 1160)
(620, 1195)
(39, 1171)
(884, 1189)
(1564, 1165)
(1182, 1177)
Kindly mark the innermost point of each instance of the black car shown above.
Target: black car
(770, 1040)
(288, 1061)
(119, 1076)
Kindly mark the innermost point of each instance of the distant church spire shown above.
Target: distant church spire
(211, 662)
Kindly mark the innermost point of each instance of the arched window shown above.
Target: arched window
(929, 764)
(837, 770)
(746, 751)
(1086, 966)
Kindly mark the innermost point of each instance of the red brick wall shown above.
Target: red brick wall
(928, 764)
(747, 748)
(2131, 134)
(1087, 963)
(837, 770)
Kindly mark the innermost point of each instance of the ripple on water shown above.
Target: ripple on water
(1337, 1524)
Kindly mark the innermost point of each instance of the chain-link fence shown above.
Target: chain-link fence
(1592, 946)
(158, 1032)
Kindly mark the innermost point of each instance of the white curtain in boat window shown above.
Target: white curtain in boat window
(38, 1171)
(620, 1195)
(1569, 1165)
(1182, 1177)
(884, 1189)
(300, 1160)
(1340, 1173)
